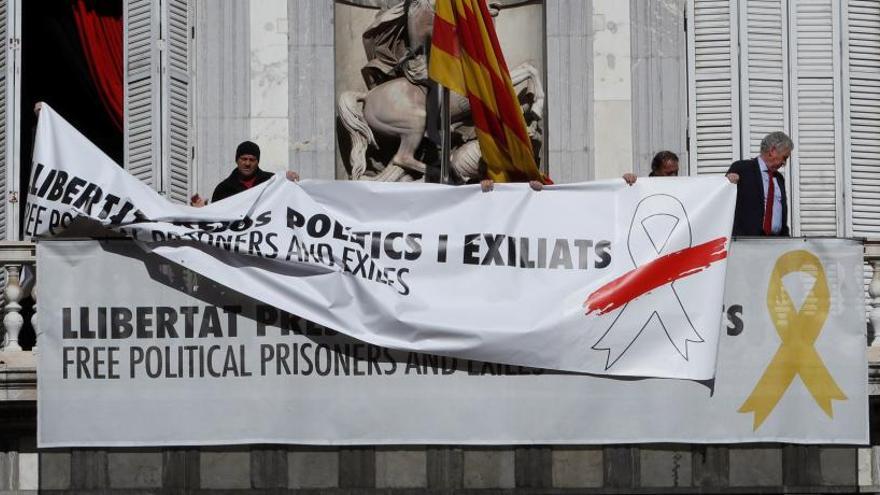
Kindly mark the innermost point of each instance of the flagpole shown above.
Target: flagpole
(445, 135)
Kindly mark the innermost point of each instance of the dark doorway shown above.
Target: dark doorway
(55, 70)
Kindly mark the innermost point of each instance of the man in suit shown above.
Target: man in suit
(759, 178)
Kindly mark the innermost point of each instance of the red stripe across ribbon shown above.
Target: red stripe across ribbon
(661, 271)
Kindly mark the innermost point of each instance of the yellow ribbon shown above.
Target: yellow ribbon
(798, 331)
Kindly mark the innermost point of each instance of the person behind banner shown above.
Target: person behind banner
(247, 174)
(759, 178)
(487, 184)
(664, 164)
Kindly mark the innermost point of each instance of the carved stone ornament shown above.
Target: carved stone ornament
(385, 130)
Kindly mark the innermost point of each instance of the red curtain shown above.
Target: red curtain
(100, 34)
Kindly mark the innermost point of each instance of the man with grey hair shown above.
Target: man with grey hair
(761, 203)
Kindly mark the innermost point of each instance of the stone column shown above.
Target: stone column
(612, 89)
(872, 256)
(34, 318)
(269, 119)
(309, 94)
(569, 135)
(14, 255)
(12, 320)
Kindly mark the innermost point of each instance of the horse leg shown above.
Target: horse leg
(526, 76)
(391, 173)
(397, 108)
(405, 156)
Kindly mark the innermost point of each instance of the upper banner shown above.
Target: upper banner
(598, 277)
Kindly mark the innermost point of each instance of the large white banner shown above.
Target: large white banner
(137, 351)
(598, 277)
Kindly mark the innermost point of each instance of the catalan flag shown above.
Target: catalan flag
(466, 58)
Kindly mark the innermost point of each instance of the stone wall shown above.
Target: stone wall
(645, 469)
(655, 468)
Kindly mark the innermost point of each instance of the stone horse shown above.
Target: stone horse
(397, 108)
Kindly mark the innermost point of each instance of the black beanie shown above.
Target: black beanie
(248, 148)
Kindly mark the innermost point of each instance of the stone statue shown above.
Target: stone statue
(395, 103)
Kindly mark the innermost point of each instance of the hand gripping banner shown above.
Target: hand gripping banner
(798, 330)
(660, 246)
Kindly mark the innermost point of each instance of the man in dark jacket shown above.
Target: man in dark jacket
(664, 164)
(247, 174)
(759, 178)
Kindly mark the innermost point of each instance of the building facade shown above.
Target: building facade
(706, 79)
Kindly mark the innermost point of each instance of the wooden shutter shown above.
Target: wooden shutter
(815, 88)
(176, 100)
(157, 101)
(861, 110)
(10, 106)
(713, 97)
(142, 117)
(6, 73)
(763, 69)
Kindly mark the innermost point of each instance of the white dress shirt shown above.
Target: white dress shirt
(776, 225)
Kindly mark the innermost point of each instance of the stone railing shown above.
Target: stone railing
(872, 257)
(18, 376)
(16, 257)
(657, 468)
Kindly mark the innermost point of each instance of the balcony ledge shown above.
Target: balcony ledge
(18, 376)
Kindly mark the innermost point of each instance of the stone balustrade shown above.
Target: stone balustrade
(646, 468)
(17, 258)
(872, 257)
(18, 373)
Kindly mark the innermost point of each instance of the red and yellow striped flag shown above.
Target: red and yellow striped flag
(466, 58)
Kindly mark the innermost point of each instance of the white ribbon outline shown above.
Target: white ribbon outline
(642, 249)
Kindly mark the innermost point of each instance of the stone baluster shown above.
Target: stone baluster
(872, 258)
(12, 320)
(34, 319)
(874, 293)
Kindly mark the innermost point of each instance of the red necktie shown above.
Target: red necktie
(768, 206)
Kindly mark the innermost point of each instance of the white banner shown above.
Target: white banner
(598, 277)
(136, 351)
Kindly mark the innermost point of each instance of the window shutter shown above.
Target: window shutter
(713, 128)
(10, 107)
(861, 111)
(6, 161)
(817, 190)
(764, 64)
(142, 124)
(157, 44)
(176, 100)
